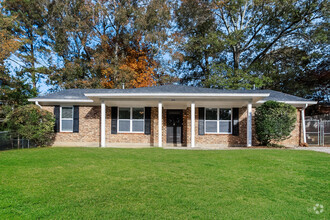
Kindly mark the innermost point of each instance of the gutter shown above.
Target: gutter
(158, 95)
(292, 102)
(60, 100)
(37, 104)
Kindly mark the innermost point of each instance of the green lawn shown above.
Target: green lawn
(157, 184)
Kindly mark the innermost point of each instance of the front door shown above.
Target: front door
(174, 126)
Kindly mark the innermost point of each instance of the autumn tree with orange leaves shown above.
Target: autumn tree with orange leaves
(136, 67)
(141, 66)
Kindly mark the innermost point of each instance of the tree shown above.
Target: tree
(8, 45)
(32, 123)
(132, 35)
(292, 70)
(13, 90)
(8, 42)
(30, 18)
(274, 122)
(319, 82)
(136, 68)
(70, 28)
(98, 42)
(225, 42)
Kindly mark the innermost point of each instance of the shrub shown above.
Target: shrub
(33, 123)
(274, 121)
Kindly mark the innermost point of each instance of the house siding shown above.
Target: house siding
(90, 123)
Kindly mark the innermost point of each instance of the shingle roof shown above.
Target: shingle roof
(79, 93)
(280, 96)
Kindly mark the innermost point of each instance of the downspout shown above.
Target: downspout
(37, 104)
(303, 122)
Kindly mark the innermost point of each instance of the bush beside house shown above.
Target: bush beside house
(274, 122)
(32, 123)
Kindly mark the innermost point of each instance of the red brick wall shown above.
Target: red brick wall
(225, 140)
(90, 123)
(296, 134)
(126, 138)
(221, 140)
(89, 128)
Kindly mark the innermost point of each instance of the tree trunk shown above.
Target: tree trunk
(33, 74)
(236, 56)
(18, 142)
(116, 62)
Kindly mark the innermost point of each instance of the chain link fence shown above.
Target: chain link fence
(326, 132)
(318, 132)
(11, 141)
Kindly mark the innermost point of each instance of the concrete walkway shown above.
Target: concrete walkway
(319, 149)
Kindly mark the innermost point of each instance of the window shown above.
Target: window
(218, 121)
(66, 119)
(224, 121)
(131, 120)
(211, 120)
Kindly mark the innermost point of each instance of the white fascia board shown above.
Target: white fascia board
(60, 100)
(292, 102)
(156, 95)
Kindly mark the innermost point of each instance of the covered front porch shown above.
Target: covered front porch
(180, 120)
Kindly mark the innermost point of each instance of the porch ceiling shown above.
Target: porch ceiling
(178, 104)
(177, 100)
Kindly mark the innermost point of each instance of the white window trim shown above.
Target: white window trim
(66, 118)
(131, 121)
(218, 122)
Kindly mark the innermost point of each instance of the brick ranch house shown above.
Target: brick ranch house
(169, 115)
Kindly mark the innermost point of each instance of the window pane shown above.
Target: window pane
(225, 114)
(67, 112)
(138, 126)
(124, 125)
(211, 126)
(138, 113)
(211, 114)
(124, 113)
(225, 126)
(67, 125)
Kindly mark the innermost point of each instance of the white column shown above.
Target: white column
(102, 124)
(160, 124)
(193, 124)
(303, 123)
(249, 125)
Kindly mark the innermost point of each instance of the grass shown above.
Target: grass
(88, 183)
